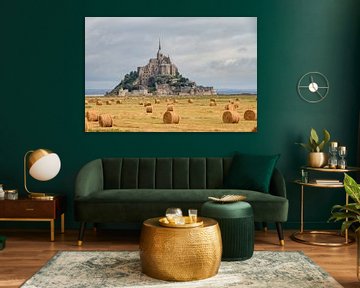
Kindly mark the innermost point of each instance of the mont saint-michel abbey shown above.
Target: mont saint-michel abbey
(161, 65)
(159, 77)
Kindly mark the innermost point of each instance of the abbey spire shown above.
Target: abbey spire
(159, 51)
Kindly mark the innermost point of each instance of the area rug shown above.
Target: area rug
(80, 269)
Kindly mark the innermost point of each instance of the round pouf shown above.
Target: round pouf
(236, 221)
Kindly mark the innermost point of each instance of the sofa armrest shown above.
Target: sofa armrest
(89, 179)
(277, 184)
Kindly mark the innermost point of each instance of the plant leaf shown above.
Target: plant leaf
(314, 135)
(306, 146)
(321, 146)
(352, 188)
(346, 225)
(350, 207)
(326, 136)
(312, 144)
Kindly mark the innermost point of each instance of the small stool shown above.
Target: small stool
(236, 221)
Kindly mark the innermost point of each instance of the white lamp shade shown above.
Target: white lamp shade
(46, 168)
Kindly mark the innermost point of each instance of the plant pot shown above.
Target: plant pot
(317, 159)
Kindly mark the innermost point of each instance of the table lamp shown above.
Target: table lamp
(43, 165)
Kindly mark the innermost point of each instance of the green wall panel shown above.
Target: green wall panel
(42, 87)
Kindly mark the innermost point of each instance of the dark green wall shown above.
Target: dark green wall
(42, 88)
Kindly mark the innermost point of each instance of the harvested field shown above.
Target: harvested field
(198, 116)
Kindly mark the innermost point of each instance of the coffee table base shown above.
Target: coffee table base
(180, 254)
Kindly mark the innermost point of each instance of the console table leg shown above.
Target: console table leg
(52, 230)
(63, 223)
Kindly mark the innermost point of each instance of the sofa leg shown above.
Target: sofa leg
(280, 233)
(265, 227)
(81, 233)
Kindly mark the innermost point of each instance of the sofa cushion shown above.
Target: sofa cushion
(266, 207)
(251, 172)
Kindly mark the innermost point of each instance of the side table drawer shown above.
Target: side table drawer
(30, 209)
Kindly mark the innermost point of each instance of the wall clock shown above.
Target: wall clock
(313, 87)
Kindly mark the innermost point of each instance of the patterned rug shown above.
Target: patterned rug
(80, 269)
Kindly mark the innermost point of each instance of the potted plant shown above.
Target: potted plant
(350, 213)
(317, 157)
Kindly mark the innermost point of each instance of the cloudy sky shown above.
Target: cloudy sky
(218, 52)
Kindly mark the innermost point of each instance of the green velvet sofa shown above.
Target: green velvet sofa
(130, 190)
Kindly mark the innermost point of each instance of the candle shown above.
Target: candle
(333, 144)
(342, 149)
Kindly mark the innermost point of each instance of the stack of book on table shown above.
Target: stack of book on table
(327, 181)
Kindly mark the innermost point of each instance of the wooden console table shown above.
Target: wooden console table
(27, 209)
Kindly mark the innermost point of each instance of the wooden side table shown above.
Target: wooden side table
(27, 209)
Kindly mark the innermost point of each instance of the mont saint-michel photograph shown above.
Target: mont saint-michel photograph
(171, 74)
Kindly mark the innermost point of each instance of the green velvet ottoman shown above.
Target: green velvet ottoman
(236, 221)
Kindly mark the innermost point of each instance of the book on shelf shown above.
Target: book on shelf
(327, 181)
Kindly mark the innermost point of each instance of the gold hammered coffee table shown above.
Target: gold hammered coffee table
(180, 254)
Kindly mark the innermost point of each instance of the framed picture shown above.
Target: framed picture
(170, 74)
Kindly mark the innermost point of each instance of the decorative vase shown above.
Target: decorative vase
(317, 159)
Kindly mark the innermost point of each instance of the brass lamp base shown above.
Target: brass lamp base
(41, 196)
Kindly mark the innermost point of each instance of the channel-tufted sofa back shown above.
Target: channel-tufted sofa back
(164, 173)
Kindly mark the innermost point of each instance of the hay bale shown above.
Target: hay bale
(190, 101)
(212, 103)
(171, 117)
(230, 117)
(236, 105)
(87, 125)
(149, 109)
(229, 107)
(175, 101)
(237, 99)
(86, 102)
(254, 129)
(141, 103)
(249, 115)
(212, 100)
(99, 102)
(147, 104)
(92, 115)
(170, 108)
(118, 102)
(108, 102)
(105, 120)
(157, 101)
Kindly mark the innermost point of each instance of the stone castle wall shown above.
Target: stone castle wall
(161, 65)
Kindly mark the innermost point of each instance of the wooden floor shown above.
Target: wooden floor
(28, 250)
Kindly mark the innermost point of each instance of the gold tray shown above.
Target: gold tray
(165, 222)
(228, 198)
